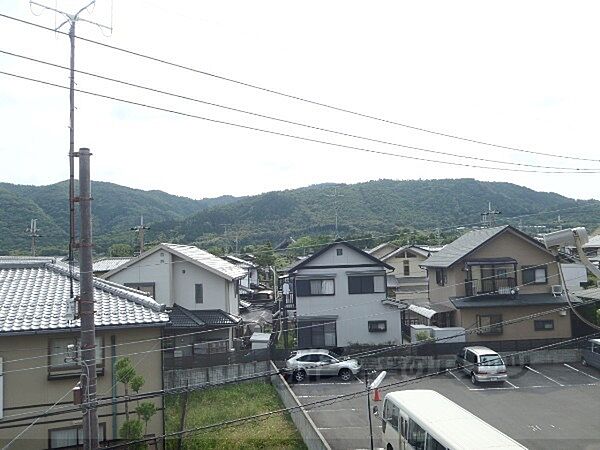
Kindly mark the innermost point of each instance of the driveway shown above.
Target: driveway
(543, 407)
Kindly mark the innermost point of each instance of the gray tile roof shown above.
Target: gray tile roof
(34, 296)
(181, 317)
(209, 261)
(507, 302)
(462, 246)
(108, 264)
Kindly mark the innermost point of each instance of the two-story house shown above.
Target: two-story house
(199, 289)
(493, 275)
(37, 370)
(339, 295)
(408, 281)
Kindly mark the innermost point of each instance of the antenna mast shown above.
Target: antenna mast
(33, 233)
(488, 218)
(335, 196)
(140, 230)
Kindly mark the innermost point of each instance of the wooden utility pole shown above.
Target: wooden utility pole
(86, 308)
(140, 230)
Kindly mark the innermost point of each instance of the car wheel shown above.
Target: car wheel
(345, 374)
(584, 362)
(299, 376)
(473, 379)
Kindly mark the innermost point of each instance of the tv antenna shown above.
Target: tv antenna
(488, 218)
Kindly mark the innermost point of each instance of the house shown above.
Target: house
(408, 282)
(250, 281)
(592, 249)
(35, 331)
(492, 275)
(186, 278)
(339, 297)
(104, 265)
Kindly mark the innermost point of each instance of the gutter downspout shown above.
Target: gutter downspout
(113, 371)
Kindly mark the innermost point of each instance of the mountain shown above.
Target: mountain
(377, 207)
(115, 210)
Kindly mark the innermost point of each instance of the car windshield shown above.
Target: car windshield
(491, 360)
(335, 355)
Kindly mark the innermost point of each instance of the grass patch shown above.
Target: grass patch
(216, 405)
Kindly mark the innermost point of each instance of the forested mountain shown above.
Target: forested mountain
(115, 210)
(375, 207)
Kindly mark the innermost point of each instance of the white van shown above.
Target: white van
(426, 420)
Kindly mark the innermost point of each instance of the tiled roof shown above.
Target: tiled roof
(181, 317)
(589, 294)
(34, 296)
(240, 262)
(462, 246)
(593, 242)
(107, 264)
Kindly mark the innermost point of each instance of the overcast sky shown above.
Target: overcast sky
(520, 74)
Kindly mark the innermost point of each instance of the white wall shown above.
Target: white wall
(352, 311)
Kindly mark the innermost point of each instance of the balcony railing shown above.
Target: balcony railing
(490, 286)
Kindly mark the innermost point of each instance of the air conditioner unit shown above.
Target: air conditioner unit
(557, 290)
(177, 353)
(562, 313)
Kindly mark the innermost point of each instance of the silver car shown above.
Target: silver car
(590, 355)
(317, 362)
(482, 364)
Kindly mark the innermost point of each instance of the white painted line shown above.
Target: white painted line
(359, 380)
(347, 426)
(461, 381)
(545, 376)
(493, 389)
(581, 371)
(313, 410)
(516, 387)
(315, 396)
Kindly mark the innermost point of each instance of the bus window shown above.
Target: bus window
(395, 417)
(403, 426)
(387, 410)
(416, 435)
(432, 444)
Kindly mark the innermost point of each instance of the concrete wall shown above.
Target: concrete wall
(214, 375)
(467, 318)
(311, 436)
(351, 311)
(31, 391)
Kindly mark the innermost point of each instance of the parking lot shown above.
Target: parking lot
(542, 407)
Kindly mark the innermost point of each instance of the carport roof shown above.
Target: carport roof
(507, 302)
(180, 317)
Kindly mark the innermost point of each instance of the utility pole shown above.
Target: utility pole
(488, 218)
(33, 234)
(140, 229)
(335, 196)
(86, 308)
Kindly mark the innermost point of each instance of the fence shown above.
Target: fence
(214, 374)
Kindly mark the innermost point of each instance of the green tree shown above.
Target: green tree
(145, 411)
(265, 256)
(132, 430)
(125, 373)
(120, 250)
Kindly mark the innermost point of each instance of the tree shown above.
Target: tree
(265, 256)
(122, 250)
(125, 373)
(132, 430)
(145, 411)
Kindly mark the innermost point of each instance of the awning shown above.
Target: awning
(430, 310)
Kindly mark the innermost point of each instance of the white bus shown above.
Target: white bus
(426, 420)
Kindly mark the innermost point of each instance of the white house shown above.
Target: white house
(183, 275)
(339, 294)
(251, 279)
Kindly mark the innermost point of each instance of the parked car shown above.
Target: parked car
(318, 362)
(590, 355)
(482, 364)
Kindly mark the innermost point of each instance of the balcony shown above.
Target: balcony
(490, 286)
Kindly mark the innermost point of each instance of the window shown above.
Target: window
(199, 293)
(369, 284)
(416, 435)
(148, 288)
(71, 436)
(377, 326)
(317, 334)
(535, 275)
(432, 444)
(406, 268)
(57, 351)
(339, 251)
(395, 417)
(441, 277)
(211, 347)
(489, 324)
(543, 325)
(307, 288)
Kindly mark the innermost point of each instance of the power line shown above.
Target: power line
(292, 136)
(313, 127)
(302, 99)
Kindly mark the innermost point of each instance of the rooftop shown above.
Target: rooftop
(593, 242)
(181, 317)
(503, 301)
(34, 297)
(108, 264)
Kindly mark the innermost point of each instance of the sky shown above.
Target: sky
(513, 73)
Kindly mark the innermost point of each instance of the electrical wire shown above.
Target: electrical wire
(302, 99)
(312, 127)
(288, 135)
